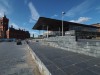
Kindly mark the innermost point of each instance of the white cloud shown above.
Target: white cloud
(25, 1)
(55, 15)
(6, 3)
(80, 9)
(34, 14)
(81, 20)
(15, 25)
(31, 20)
(2, 12)
(4, 7)
(98, 9)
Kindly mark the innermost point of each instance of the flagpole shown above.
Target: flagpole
(47, 32)
(62, 23)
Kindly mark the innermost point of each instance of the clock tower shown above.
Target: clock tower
(3, 26)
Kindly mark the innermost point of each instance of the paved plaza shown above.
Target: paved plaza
(62, 62)
(15, 59)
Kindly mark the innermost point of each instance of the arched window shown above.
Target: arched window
(1, 22)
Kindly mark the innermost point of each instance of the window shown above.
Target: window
(5, 23)
(1, 22)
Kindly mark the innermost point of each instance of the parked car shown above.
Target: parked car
(19, 42)
(37, 41)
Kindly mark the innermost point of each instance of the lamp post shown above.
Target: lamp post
(59, 31)
(62, 22)
(47, 31)
(43, 30)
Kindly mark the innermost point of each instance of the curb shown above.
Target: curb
(42, 68)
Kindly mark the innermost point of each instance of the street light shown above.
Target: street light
(43, 31)
(62, 22)
(47, 31)
(59, 31)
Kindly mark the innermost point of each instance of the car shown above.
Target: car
(19, 42)
(37, 41)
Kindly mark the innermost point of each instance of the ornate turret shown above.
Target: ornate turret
(3, 26)
(4, 15)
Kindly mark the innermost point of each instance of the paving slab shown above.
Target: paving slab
(14, 59)
(63, 62)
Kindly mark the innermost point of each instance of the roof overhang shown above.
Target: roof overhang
(55, 25)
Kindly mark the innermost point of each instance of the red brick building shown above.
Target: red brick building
(3, 26)
(11, 32)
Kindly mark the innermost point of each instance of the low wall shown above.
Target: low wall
(88, 47)
(42, 68)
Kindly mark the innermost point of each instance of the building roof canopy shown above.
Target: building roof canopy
(54, 25)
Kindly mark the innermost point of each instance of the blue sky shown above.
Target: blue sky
(25, 13)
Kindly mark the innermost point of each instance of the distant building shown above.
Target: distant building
(33, 35)
(11, 32)
(40, 36)
(97, 25)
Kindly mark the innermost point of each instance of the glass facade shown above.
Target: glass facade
(82, 28)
